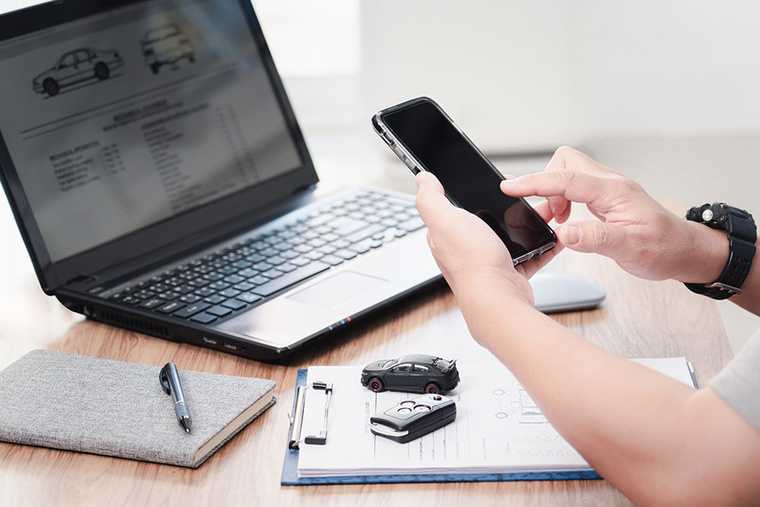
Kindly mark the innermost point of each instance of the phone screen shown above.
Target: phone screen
(468, 177)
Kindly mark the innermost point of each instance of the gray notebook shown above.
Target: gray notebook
(99, 406)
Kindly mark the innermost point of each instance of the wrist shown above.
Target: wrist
(706, 255)
(485, 297)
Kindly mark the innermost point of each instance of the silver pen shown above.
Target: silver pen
(169, 378)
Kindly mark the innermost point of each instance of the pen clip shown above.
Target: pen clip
(163, 378)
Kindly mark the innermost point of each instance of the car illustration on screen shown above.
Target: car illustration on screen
(78, 66)
(167, 45)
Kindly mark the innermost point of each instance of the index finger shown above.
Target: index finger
(572, 185)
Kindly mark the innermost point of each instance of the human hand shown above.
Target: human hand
(633, 229)
(471, 256)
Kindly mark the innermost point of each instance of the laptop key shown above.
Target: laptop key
(286, 268)
(215, 299)
(234, 304)
(273, 273)
(245, 286)
(229, 293)
(300, 261)
(198, 283)
(328, 249)
(219, 311)
(255, 258)
(365, 233)
(412, 224)
(362, 247)
(203, 318)
(291, 278)
(248, 273)
(259, 280)
(332, 260)
(204, 292)
(130, 300)
(190, 298)
(144, 294)
(220, 285)
(248, 297)
(191, 310)
(151, 303)
(276, 260)
(345, 254)
(171, 307)
(233, 279)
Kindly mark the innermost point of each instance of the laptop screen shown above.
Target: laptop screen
(124, 119)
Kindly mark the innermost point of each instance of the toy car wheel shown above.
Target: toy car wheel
(432, 388)
(51, 86)
(375, 384)
(102, 71)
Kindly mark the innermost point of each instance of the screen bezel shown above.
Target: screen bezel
(51, 274)
(382, 127)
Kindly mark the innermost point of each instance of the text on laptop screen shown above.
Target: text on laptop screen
(124, 119)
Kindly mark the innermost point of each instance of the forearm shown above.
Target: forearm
(634, 425)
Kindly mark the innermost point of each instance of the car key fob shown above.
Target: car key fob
(412, 419)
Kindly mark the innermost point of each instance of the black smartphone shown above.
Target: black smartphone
(424, 138)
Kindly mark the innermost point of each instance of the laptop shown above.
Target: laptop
(162, 184)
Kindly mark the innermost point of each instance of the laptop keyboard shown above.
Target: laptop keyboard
(227, 281)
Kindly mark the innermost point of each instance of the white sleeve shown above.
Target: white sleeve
(738, 384)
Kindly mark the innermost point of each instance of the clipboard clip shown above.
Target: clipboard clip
(321, 439)
(296, 418)
(297, 412)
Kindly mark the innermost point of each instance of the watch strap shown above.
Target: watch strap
(734, 272)
(742, 234)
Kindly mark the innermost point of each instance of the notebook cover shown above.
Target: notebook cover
(114, 408)
(290, 471)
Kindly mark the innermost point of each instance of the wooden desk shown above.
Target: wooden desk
(639, 319)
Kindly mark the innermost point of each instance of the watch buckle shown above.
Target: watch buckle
(723, 287)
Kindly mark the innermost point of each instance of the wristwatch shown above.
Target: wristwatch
(742, 234)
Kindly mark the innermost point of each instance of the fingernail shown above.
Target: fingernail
(570, 235)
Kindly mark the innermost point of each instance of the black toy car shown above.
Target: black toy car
(417, 373)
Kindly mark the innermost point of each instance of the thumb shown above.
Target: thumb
(432, 203)
(428, 182)
(592, 236)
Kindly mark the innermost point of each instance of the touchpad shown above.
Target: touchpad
(339, 288)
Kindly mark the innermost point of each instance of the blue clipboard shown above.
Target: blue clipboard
(290, 471)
